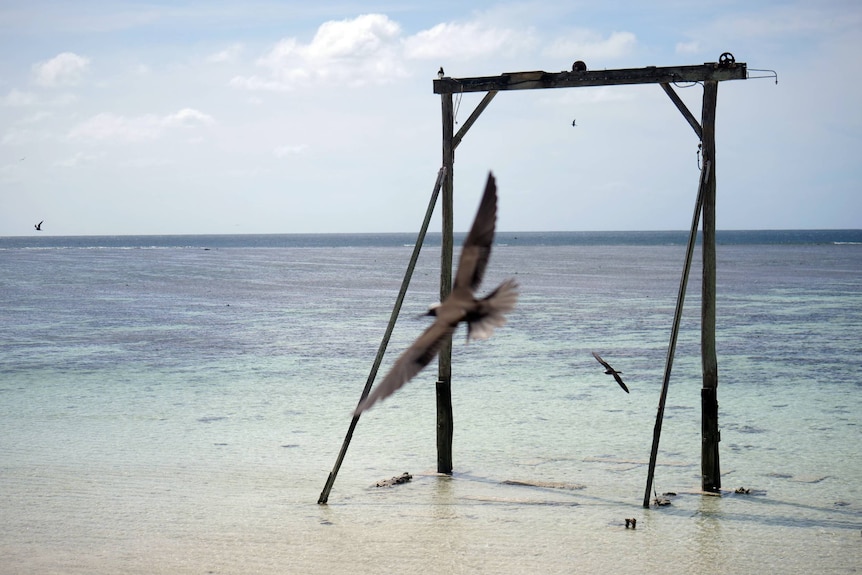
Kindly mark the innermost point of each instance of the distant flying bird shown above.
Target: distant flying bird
(39, 226)
(440, 72)
(573, 121)
(481, 315)
(611, 371)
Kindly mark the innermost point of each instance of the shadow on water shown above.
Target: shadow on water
(710, 509)
(780, 514)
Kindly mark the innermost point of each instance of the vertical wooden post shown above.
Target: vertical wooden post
(710, 469)
(445, 425)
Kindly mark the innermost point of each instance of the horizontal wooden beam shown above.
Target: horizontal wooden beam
(710, 71)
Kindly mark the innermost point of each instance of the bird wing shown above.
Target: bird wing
(620, 381)
(601, 361)
(411, 362)
(490, 311)
(477, 246)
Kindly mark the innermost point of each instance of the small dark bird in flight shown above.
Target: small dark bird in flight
(481, 315)
(39, 226)
(440, 72)
(611, 371)
(573, 122)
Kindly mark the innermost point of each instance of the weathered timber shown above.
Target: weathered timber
(686, 113)
(384, 343)
(443, 389)
(473, 117)
(710, 469)
(674, 332)
(397, 480)
(709, 71)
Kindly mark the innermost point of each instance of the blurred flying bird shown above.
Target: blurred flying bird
(481, 315)
(611, 371)
(39, 226)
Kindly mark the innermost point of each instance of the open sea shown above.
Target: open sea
(174, 405)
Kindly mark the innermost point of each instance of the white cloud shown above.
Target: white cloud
(138, 128)
(285, 151)
(77, 160)
(35, 118)
(16, 98)
(464, 41)
(591, 47)
(363, 50)
(229, 54)
(145, 163)
(692, 47)
(187, 117)
(361, 37)
(61, 70)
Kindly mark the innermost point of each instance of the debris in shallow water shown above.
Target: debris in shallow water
(631, 522)
(661, 501)
(742, 491)
(397, 480)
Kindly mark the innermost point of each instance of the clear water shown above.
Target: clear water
(178, 409)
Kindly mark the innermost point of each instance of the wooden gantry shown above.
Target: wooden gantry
(709, 74)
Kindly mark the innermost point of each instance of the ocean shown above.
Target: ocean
(174, 404)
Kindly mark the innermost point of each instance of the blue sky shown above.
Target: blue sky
(282, 117)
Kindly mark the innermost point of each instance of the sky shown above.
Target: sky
(226, 117)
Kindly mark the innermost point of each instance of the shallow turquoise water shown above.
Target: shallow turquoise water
(178, 411)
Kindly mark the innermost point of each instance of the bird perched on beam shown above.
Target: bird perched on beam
(481, 315)
(611, 371)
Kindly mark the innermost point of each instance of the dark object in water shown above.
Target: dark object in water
(631, 522)
(397, 480)
(742, 491)
(611, 371)
(660, 501)
(481, 315)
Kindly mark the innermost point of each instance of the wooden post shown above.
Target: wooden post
(710, 469)
(674, 331)
(445, 424)
(384, 343)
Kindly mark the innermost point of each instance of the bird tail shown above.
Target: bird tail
(491, 311)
